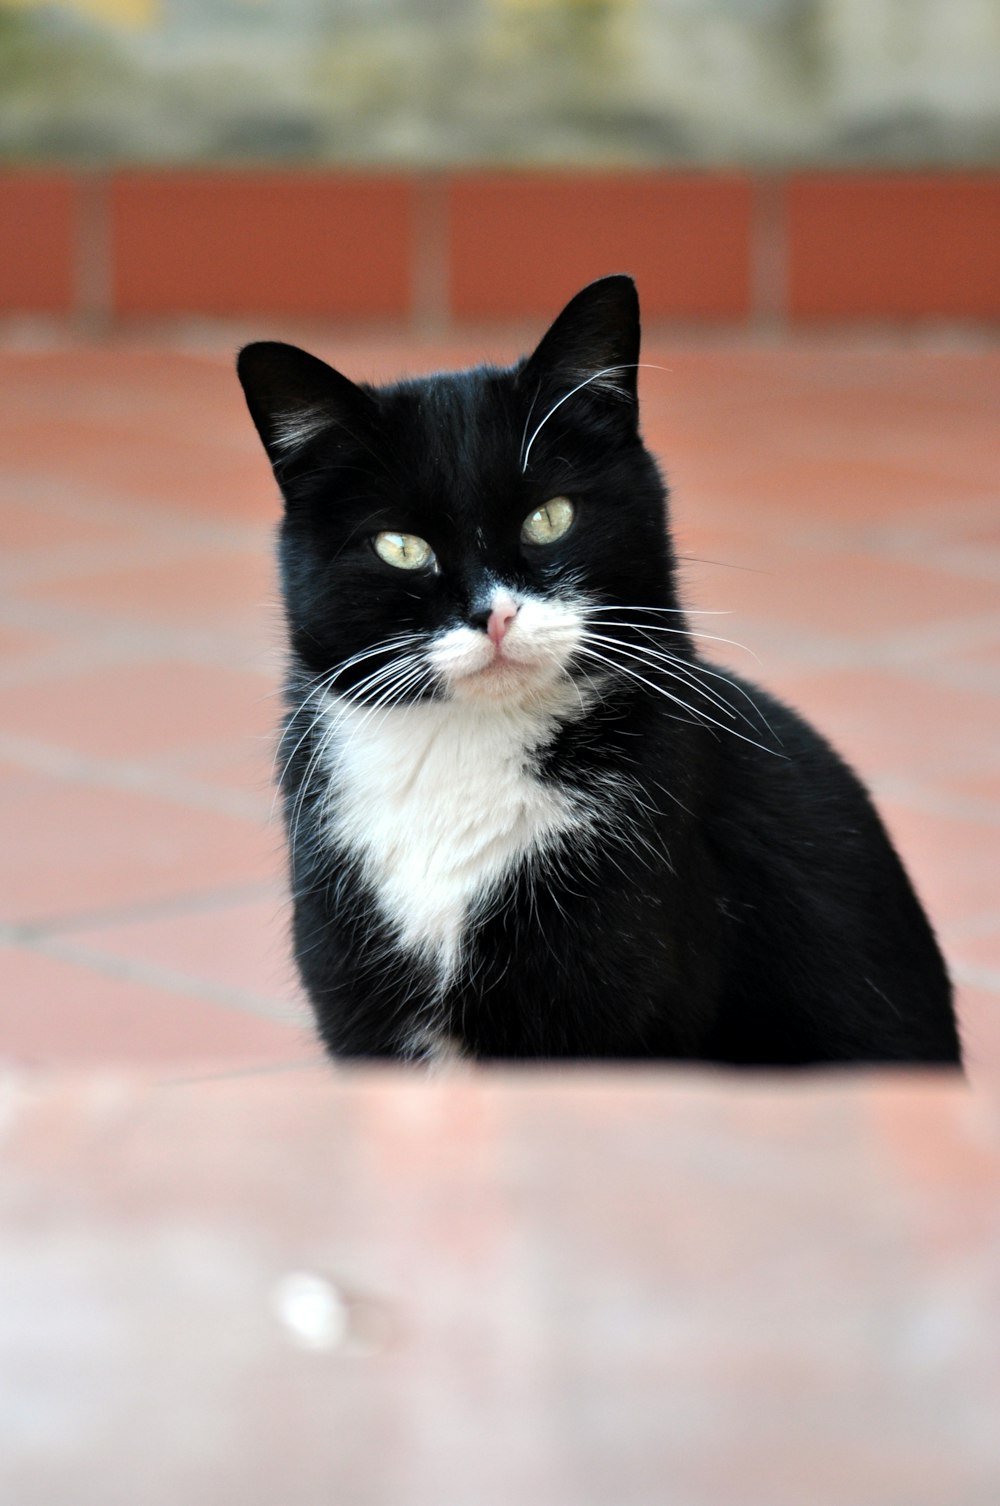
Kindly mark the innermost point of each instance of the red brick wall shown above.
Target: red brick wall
(720, 247)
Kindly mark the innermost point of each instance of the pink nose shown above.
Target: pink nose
(501, 616)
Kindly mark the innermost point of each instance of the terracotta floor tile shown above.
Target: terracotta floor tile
(15, 643)
(843, 490)
(135, 382)
(984, 657)
(979, 1017)
(135, 710)
(246, 765)
(979, 949)
(55, 1013)
(207, 479)
(897, 724)
(830, 405)
(981, 786)
(244, 946)
(203, 591)
(28, 528)
(969, 941)
(953, 863)
(854, 596)
(985, 535)
(75, 850)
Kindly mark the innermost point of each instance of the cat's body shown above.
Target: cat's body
(525, 818)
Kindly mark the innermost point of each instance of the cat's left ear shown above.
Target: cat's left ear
(594, 341)
(294, 397)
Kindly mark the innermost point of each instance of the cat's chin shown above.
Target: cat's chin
(506, 682)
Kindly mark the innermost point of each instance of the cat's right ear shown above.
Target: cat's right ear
(294, 398)
(594, 340)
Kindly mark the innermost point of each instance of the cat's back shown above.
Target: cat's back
(822, 922)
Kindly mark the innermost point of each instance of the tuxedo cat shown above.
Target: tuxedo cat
(526, 819)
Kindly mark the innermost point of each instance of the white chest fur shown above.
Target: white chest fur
(441, 801)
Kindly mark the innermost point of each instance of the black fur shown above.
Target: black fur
(759, 916)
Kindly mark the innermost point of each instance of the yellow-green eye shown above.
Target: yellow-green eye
(549, 522)
(404, 550)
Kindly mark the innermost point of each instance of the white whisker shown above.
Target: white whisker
(689, 670)
(684, 633)
(669, 611)
(596, 377)
(565, 399)
(521, 456)
(669, 665)
(325, 682)
(700, 716)
(386, 680)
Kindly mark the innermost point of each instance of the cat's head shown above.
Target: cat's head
(476, 535)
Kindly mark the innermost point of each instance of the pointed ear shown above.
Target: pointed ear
(594, 340)
(294, 397)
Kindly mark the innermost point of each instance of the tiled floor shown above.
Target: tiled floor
(840, 502)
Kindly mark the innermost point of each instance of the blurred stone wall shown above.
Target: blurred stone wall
(446, 82)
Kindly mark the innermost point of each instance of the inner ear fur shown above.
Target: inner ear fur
(294, 396)
(595, 339)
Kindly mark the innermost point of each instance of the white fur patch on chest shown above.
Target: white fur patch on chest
(441, 801)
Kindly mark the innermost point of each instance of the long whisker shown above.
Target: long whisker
(521, 455)
(325, 682)
(327, 737)
(700, 716)
(693, 720)
(596, 377)
(410, 673)
(691, 669)
(716, 674)
(675, 668)
(652, 627)
(329, 720)
(669, 611)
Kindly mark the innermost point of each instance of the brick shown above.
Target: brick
(521, 244)
(223, 243)
(38, 213)
(885, 246)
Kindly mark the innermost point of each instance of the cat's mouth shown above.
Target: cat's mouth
(481, 671)
(530, 656)
(504, 672)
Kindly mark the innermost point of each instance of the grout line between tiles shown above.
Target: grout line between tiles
(49, 563)
(136, 514)
(171, 980)
(985, 923)
(136, 778)
(971, 975)
(921, 796)
(187, 902)
(138, 640)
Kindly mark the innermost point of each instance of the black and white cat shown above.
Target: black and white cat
(526, 819)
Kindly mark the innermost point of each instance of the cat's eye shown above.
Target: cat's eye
(549, 522)
(404, 550)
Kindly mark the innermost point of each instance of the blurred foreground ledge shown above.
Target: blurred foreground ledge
(566, 1288)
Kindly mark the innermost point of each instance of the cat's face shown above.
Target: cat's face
(467, 536)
